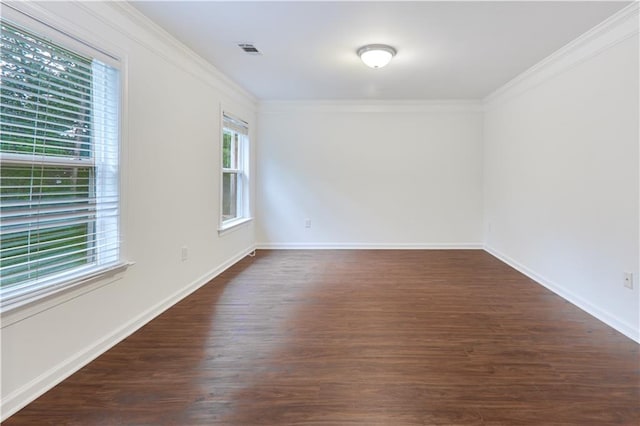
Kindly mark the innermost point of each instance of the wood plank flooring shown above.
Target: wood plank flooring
(359, 338)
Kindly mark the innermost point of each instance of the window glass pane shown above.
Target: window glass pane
(46, 97)
(230, 150)
(229, 196)
(47, 221)
(226, 149)
(26, 185)
(39, 253)
(234, 151)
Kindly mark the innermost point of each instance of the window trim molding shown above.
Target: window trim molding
(27, 307)
(234, 224)
(20, 299)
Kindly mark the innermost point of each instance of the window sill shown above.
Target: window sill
(39, 301)
(232, 225)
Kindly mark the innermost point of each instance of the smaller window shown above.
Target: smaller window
(235, 177)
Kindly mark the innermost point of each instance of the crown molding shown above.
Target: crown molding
(613, 30)
(144, 31)
(370, 106)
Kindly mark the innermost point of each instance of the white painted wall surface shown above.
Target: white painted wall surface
(369, 175)
(170, 199)
(561, 174)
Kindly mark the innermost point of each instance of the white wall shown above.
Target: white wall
(561, 173)
(369, 175)
(170, 199)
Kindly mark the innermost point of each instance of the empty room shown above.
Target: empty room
(320, 213)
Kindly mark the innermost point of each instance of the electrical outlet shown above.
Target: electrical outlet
(628, 280)
(184, 253)
(307, 223)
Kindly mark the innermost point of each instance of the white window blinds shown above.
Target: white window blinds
(232, 123)
(58, 165)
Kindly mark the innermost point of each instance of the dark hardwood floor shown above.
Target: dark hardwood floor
(359, 337)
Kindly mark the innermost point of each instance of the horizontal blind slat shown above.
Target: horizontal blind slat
(44, 270)
(43, 100)
(12, 206)
(46, 239)
(46, 226)
(36, 108)
(236, 124)
(10, 113)
(70, 251)
(53, 91)
(4, 134)
(41, 220)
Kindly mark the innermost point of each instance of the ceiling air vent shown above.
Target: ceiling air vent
(249, 48)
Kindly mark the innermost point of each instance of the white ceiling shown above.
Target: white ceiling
(446, 50)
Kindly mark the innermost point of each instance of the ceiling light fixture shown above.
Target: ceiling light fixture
(376, 55)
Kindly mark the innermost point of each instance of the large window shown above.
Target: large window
(235, 179)
(58, 166)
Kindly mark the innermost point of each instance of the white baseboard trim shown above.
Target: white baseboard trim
(41, 384)
(369, 246)
(606, 317)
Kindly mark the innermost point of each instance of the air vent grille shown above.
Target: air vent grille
(249, 48)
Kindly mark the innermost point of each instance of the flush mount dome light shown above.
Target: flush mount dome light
(376, 55)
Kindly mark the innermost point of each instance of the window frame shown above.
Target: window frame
(243, 187)
(27, 298)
